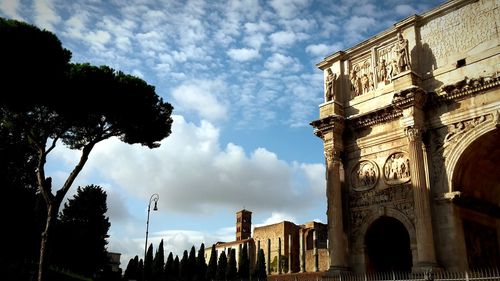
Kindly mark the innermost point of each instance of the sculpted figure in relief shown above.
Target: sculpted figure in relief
(365, 83)
(330, 85)
(370, 81)
(397, 169)
(364, 175)
(401, 49)
(353, 76)
(381, 71)
(393, 68)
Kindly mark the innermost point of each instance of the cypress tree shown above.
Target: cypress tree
(135, 270)
(140, 270)
(158, 264)
(201, 265)
(221, 267)
(231, 266)
(244, 264)
(129, 270)
(191, 264)
(212, 265)
(184, 267)
(175, 268)
(148, 263)
(259, 272)
(169, 267)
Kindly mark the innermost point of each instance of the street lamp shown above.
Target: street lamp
(155, 197)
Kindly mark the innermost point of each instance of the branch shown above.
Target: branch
(44, 185)
(52, 146)
(78, 168)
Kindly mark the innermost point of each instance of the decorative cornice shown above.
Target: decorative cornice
(330, 123)
(413, 96)
(382, 115)
(465, 88)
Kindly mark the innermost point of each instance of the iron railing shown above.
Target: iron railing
(477, 275)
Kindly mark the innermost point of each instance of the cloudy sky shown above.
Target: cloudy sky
(241, 75)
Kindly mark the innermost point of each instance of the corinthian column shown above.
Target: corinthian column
(338, 246)
(330, 130)
(423, 222)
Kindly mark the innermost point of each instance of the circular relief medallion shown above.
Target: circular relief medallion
(397, 168)
(364, 175)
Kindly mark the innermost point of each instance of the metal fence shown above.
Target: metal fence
(479, 275)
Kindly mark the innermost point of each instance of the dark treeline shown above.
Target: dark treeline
(194, 267)
(38, 113)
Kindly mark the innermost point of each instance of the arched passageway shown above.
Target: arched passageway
(387, 246)
(477, 177)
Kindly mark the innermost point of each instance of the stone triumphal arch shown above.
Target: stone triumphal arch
(411, 131)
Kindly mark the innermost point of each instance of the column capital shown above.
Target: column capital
(414, 133)
(332, 154)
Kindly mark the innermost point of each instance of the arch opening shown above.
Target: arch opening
(477, 177)
(387, 246)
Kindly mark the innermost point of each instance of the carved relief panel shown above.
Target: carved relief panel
(377, 68)
(366, 203)
(364, 175)
(361, 76)
(397, 168)
(445, 139)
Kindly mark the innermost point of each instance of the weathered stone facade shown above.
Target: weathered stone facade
(297, 248)
(410, 126)
(301, 248)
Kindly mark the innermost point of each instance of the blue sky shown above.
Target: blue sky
(242, 77)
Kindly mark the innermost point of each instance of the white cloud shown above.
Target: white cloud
(192, 173)
(177, 241)
(151, 40)
(286, 38)
(279, 62)
(322, 49)
(405, 10)
(80, 27)
(314, 175)
(11, 8)
(255, 40)
(277, 217)
(45, 14)
(99, 37)
(288, 8)
(243, 54)
(356, 26)
(329, 26)
(365, 10)
(299, 24)
(201, 97)
(261, 26)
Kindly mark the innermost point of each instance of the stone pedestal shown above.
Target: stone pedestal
(406, 79)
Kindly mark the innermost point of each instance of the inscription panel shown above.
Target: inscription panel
(445, 35)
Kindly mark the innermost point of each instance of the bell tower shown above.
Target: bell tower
(243, 225)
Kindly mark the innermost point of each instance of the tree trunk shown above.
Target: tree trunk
(52, 209)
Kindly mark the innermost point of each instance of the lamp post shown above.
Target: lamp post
(155, 197)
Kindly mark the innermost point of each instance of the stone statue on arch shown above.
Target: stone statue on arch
(330, 85)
